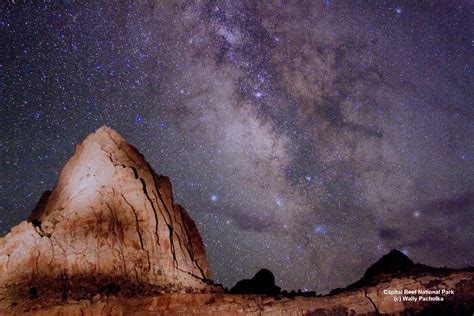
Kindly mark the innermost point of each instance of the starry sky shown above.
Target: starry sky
(308, 137)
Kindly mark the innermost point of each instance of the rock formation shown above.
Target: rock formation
(263, 282)
(109, 221)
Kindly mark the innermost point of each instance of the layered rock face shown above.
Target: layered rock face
(109, 221)
(364, 301)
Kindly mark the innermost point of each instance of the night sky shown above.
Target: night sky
(306, 138)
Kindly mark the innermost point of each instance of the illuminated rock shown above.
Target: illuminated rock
(109, 221)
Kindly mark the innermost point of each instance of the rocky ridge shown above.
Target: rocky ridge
(362, 301)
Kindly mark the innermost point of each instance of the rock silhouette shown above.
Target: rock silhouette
(393, 262)
(262, 283)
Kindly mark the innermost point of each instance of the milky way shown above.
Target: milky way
(308, 138)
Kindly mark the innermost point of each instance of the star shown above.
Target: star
(138, 118)
(214, 197)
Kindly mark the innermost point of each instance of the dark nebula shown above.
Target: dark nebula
(309, 138)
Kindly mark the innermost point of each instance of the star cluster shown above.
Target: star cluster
(308, 138)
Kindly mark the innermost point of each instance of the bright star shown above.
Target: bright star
(139, 119)
(214, 197)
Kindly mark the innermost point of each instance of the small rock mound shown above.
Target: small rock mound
(393, 262)
(262, 283)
